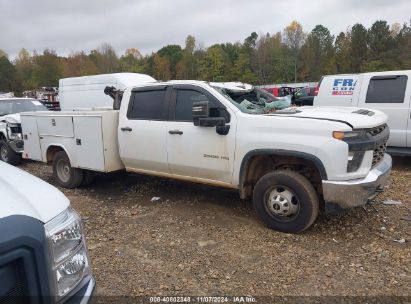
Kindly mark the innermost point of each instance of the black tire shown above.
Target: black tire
(65, 175)
(88, 177)
(268, 198)
(8, 155)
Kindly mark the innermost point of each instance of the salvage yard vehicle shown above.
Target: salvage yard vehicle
(43, 252)
(292, 162)
(11, 141)
(389, 92)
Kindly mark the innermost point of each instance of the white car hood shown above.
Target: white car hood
(11, 118)
(344, 114)
(24, 194)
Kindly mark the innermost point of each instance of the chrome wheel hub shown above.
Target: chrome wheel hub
(63, 170)
(282, 202)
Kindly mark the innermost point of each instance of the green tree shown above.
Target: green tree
(9, 81)
(359, 47)
(382, 47)
(342, 52)
(214, 64)
(105, 59)
(131, 61)
(25, 66)
(161, 68)
(379, 39)
(79, 64)
(294, 38)
(186, 68)
(173, 53)
(47, 69)
(404, 46)
(319, 52)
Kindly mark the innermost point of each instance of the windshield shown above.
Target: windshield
(11, 106)
(256, 101)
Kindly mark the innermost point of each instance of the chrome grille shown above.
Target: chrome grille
(377, 130)
(378, 154)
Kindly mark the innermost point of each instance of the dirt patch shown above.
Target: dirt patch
(200, 240)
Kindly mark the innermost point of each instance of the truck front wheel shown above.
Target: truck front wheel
(286, 201)
(8, 155)
(65, 175)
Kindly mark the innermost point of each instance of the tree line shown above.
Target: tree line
(286, 56)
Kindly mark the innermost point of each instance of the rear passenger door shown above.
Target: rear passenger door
(390, 94)
(142, 131)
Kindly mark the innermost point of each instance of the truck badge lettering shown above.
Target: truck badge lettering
(343, 86)
(216, 156)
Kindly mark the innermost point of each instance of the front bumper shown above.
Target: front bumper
(354, 193)
(83, 294)
(16, 145)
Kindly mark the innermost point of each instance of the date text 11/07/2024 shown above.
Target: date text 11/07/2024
(202, 299)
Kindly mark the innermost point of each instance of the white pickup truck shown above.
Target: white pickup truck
(388, 91)
(43, 254)
(292, 162)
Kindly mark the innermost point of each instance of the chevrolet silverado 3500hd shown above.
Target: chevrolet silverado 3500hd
(291, 162)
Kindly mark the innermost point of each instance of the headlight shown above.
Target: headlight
(68, 251)
(14, 131)
(349, 135)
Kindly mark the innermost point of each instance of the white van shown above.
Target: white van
(388, 91)
(87, 92)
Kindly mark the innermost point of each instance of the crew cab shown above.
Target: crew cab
(43, 252)
(389, 92)
(11, 141)
(292, 162)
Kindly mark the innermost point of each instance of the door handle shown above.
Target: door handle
(128, 129)
(178, 132)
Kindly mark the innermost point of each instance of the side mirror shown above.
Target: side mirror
(210, 122)
(200, 109)
(201, 118)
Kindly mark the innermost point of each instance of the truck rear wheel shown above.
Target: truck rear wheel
(8, 155)
(65, 175)
(286, 201)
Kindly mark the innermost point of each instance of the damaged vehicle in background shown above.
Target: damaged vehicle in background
(250, 99)
(11, 141)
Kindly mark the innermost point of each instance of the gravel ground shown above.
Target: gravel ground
(200, 240)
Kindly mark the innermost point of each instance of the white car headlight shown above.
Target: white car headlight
(68, 251)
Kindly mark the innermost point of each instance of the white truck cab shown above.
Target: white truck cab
(389, 92)
(292, 162)
(43, 252)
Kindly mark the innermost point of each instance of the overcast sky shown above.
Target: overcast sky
(73, 25)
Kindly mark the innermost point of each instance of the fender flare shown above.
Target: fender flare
(279, 152)
(62, 148)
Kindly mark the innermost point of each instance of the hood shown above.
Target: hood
(233, 86)
(11, 118)
(24, 194)
(357, 118)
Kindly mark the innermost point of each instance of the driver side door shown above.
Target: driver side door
(194, 151)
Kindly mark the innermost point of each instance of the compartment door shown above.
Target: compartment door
(61, 126)
(32, 148)
(89, 142)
